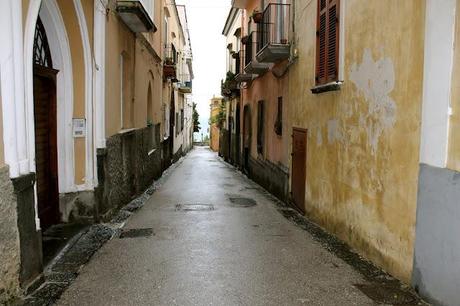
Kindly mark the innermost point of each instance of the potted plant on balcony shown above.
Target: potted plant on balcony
(257, 16)
(229, 87)
(283, 41)
(235, 55)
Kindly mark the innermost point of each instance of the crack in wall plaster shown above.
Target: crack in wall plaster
(375, 80)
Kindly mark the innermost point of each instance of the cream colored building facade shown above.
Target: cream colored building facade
(215, 107)
(83, 124)
(230, 141)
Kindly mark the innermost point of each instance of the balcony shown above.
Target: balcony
(229, 87)
(169, 63)
(185, 85)
(251, 64)
(241, 76)
(274, 45)
(137, 15)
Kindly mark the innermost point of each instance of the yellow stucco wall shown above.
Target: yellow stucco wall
(119, 40)
(215, 105)
(363, 141)
(78, 69)
(144, 68)
(454, 133)
(147, 70)
(88, 9)
(25, 9)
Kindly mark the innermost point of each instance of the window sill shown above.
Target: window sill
(332, 86)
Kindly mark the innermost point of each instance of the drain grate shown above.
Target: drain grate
(242, 202)
(194, 207)
(387, 294)
(136, 233)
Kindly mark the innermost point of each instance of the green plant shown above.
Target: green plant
(196, 120)
(219, 119)
(229, 87)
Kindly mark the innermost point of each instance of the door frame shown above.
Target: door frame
(296, 205)
(50, 74)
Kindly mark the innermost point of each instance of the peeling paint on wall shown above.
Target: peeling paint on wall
(375, 80)
(319, 137)
(333, 131)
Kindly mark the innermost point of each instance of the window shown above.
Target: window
(149, 105)
(177, 121)
(42, 53)
(126, 79)
(327, 42)
(260, 127)
(279, 118)
(181, 119)
(150, 124)
(165, 30)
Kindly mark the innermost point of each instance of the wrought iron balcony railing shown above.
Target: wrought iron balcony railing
(170, 54)
(185, 85)
(252, 65)
(169, 63)
(273, 43)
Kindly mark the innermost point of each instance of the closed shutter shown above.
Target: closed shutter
(327, 41)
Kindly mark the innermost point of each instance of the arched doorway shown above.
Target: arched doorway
(45, 122)
(246, 137)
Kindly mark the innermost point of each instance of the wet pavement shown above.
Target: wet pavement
(210, 236)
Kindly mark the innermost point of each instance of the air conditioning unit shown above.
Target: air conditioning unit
(137, 15)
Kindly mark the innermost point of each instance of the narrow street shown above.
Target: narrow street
(230, 253)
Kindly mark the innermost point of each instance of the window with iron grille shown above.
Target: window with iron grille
(260, 127)
(327, 42)
(42, 53)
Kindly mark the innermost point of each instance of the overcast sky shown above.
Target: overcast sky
(206, 20)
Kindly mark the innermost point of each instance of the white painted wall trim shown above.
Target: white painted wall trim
(18, 47)
(62, 61)
(99, 71)
(90, 147)
(438, 65)
(29, 32)
(8, 88)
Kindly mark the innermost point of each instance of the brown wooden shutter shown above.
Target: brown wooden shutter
(327, 41)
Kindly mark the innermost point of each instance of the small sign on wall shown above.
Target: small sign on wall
(79, 127)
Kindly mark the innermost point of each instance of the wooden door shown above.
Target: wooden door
(299, 167)
(46, 145)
